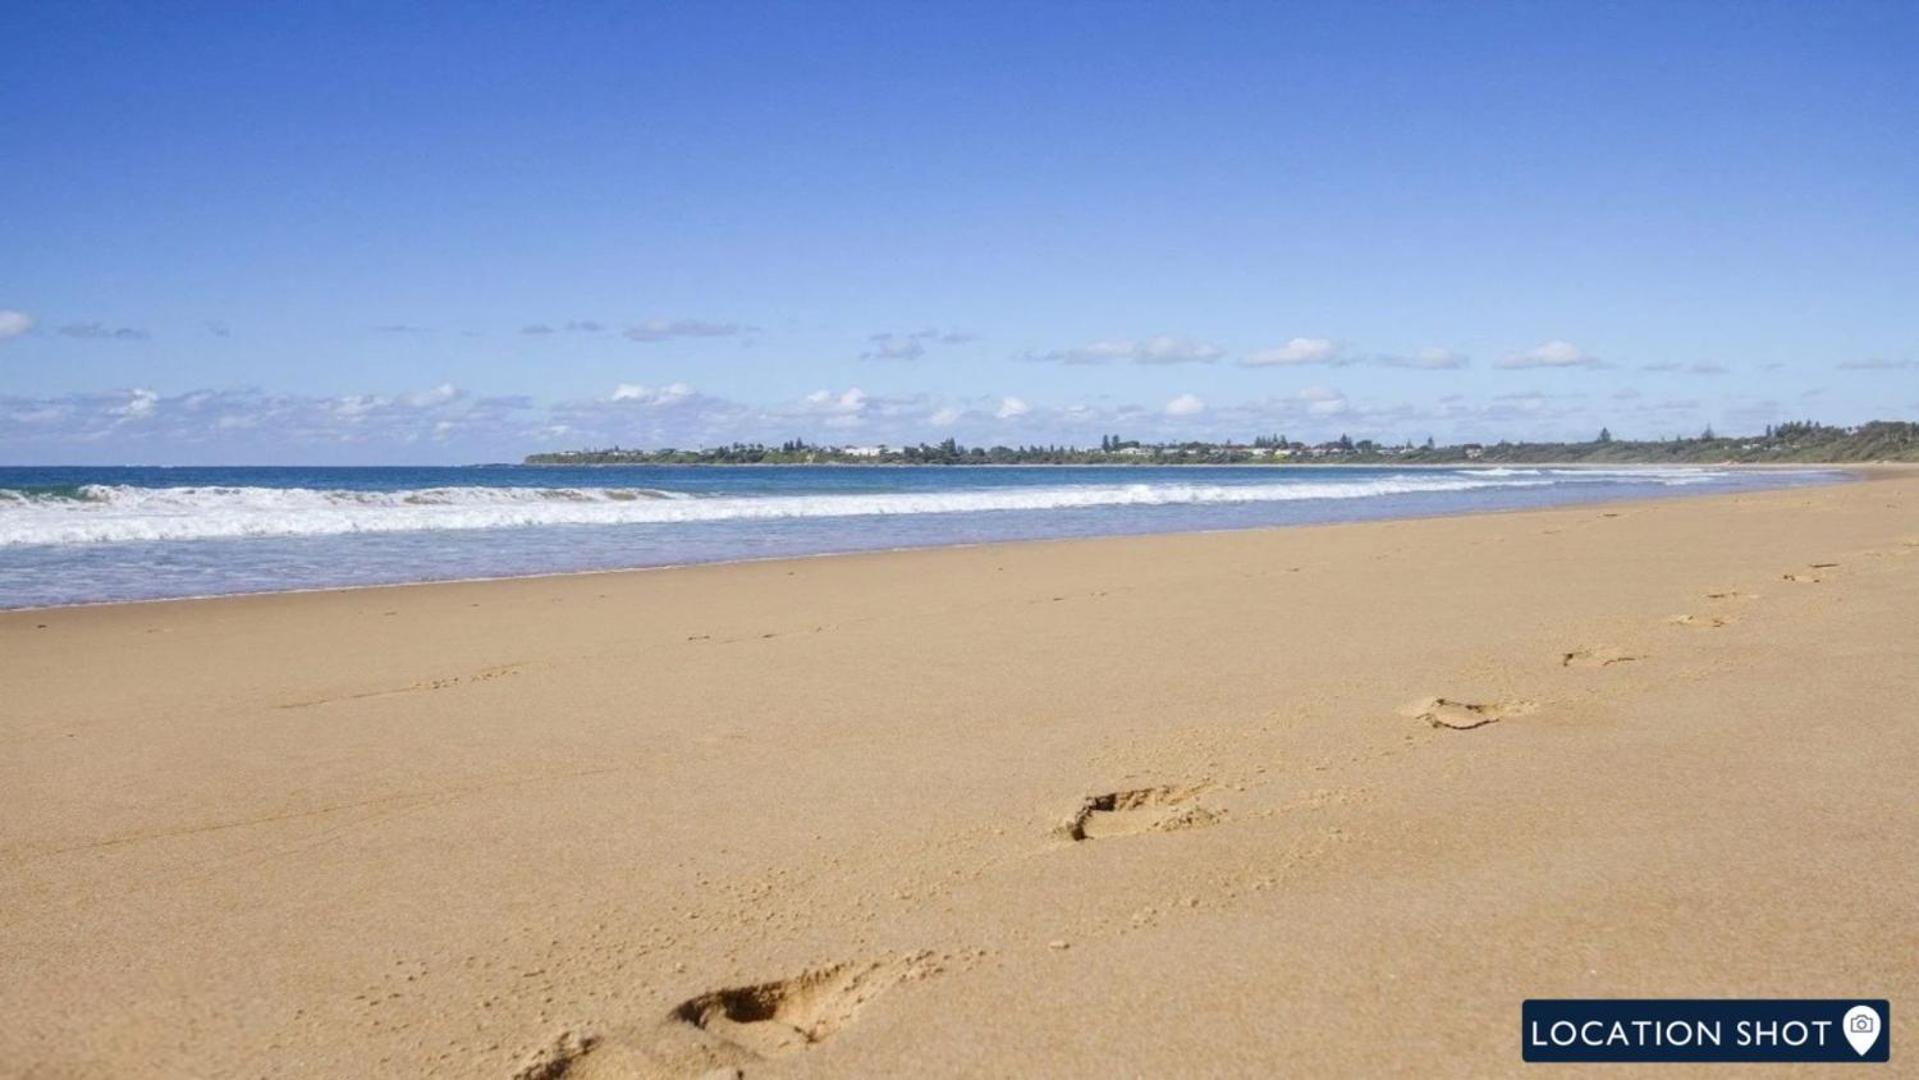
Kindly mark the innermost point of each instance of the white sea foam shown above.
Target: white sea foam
(109, 514)
(1667, 475)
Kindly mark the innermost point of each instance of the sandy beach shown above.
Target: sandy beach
(1315, 801)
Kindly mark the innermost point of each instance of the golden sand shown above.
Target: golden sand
(1325, 801)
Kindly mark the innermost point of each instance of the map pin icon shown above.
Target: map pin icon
(1861, 1026)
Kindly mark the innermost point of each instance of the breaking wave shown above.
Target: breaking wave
(94, 514)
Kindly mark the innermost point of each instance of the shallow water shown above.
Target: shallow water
(77, 535)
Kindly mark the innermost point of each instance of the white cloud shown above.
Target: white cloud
(354, 406)
(652, 396)
(438, 395)
(14, 323)
(1298, 352)
(1166, 349)
(851, 402)
(1552, 354)
(143, 424)
(1185, 405)
(140, 404)
(1158, 349)
(253, 425)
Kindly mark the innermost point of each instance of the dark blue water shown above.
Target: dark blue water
(76, 535)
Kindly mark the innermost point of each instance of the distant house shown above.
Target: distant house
(862, 451)
(1473, 451)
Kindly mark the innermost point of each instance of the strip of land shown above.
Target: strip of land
(1802, 443)
(1325, 801)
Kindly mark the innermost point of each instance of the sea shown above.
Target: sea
(92, 535)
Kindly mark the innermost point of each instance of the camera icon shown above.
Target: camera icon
(1862, 1026)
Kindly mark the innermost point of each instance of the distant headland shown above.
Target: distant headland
(1799, 442)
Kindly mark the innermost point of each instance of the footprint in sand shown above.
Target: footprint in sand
(718, 1032)
(1597, 656)
(1442, 712)
(784, 1017)
(1731, 594)
(1141, 810)
(1701, 622)
(1810, 575)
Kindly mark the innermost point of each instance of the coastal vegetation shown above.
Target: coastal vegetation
(1799, 442)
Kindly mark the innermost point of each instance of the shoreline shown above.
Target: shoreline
(1852, 474)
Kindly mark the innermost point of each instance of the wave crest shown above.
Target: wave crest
(109, 514)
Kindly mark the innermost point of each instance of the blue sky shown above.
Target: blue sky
(372, 233)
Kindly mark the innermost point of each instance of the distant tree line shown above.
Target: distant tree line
(1800, 441)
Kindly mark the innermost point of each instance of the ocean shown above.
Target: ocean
(88, 535)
